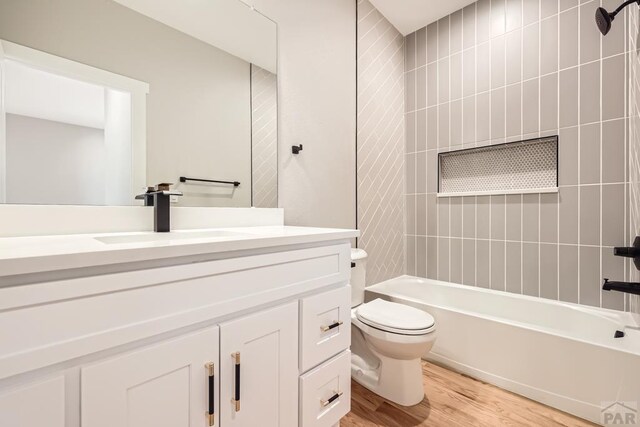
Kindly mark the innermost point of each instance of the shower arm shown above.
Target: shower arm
(622, 6)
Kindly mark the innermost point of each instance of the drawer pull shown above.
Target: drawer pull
(236, 395)
(331, 326)
(332, 399)
(211, 412)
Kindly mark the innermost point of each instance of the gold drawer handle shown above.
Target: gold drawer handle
(332, 399)
(331, 326)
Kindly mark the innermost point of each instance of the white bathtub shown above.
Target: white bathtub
(563, 355)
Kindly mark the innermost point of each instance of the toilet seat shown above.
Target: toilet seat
(395, 318)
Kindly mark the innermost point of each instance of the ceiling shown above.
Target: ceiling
(411, 15)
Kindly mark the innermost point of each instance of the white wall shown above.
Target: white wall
(54, 163)
(317, 108)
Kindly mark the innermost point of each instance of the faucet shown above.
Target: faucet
(160, 198)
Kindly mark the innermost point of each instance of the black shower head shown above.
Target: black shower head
(604, 18)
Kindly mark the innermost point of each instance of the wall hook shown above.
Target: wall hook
(296, 149)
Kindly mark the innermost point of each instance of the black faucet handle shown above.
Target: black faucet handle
(630, 252)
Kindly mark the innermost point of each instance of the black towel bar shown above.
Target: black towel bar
(215, 181)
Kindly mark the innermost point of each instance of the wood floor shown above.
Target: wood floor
(452, 399)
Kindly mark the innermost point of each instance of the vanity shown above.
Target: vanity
(241, 326)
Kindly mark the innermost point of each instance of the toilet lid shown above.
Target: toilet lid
(394, 317)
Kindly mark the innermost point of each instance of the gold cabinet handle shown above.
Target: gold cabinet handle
(329, 401)
(210, 367)
(236, 395)
(334, 325)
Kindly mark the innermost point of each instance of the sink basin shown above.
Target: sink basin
(168, 237)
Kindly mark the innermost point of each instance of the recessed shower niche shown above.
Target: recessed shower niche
(529, 166)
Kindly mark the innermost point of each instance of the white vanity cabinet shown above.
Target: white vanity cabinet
(134, 347)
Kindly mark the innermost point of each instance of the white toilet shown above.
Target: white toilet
(387, 342)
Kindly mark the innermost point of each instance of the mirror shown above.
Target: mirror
(101, 98)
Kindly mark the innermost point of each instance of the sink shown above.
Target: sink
(169, 237)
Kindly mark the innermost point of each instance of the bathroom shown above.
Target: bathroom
(319, 213)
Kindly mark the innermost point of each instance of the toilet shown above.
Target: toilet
(388, 341)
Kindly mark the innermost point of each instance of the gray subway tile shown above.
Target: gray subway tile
(497, 217)
(613, 151)
(514, 110)
(530, 215)
(589, 276)
(443, 217)
(590, 92)
(549, 271)
(514, 14)
(498, 17)
(421, 256)
(498, 113)
(483, 116)
(549, 102)
(530, 51)
(456, 216)
(410, 132)
(432, 84)
(568, 266)
(469, 217)
(483, 20)
(548, 8)
(410, 51)
(513, 217)
(568, 215)
(497, 62)
(497, 265)
(567, 4)
(569, 97)
(482, 217)
(443, 125)
(590, 154)
(483, 266)
(455, 260)
(432, 171)
(469, 72)
(569, 38)
(483, 67)
(443, 80)
(443, 259)
(530, 102)
(421, 88)
(432, 215)
(530, 11)
(469, 120)
(549, 218)
(614, 42)
(432, 257)
(590, 215)
(421, 172)
(410, 206)
(455, 32)
(469, 26)
(421, 214)
(443, 37)
(530, 269)
(410, 171)
(469, 264)
(411, 255)
(432, 42)
(613, 87)
(514, 267)
(613, 214)
(549, 43)
(410, 91)
(421, 130)
(455, 67)
(612, 269)
(568, 156)
(456, 123)
(421, 47)
(513, 53)
(432, 128)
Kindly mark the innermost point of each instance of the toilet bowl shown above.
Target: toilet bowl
(387, 342)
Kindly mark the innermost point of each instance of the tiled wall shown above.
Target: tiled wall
(380, 143)
(634, 143)
(506, 70)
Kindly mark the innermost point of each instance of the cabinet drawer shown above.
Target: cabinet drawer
(325, 326)
(325, 392)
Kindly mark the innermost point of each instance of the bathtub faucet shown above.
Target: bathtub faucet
(627, 287)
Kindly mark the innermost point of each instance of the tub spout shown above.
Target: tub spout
(626, 287)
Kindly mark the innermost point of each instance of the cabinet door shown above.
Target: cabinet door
(266, 347)
(163, 385)
(39, 404)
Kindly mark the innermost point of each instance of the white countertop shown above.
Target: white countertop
(27, 255)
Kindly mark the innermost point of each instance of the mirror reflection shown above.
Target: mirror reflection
(101, 99)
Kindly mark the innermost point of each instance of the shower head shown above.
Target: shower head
(604, 18)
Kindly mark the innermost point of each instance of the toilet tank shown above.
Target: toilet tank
(358, 272)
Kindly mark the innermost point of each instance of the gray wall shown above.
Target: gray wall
(380, 143)
(317, 103)
(185, 75)
(506, 70)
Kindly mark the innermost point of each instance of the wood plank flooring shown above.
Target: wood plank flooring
(453, 399)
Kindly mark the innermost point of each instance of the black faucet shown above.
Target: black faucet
(626, 287)
(160, 198)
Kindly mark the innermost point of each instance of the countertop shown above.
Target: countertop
(28, 255)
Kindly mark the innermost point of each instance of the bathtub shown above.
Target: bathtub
(563, 355)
